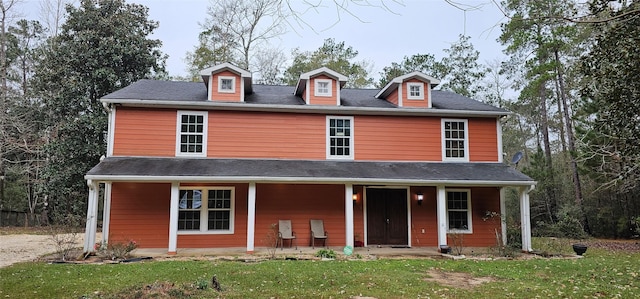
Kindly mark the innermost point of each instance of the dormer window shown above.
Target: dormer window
(226, 84)
(415, 91)
(323, 87)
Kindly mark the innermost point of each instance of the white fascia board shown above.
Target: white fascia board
(433, 82)
(225, 66)
(423, 77)
(327, 71)
(303, 180)
(339, 110)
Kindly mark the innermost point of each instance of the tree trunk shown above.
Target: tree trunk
(571, 143)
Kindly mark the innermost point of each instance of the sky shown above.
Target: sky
(381, 36)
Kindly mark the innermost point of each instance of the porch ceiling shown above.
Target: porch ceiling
(306, 171)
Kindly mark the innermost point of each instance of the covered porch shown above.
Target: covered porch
(256, 184)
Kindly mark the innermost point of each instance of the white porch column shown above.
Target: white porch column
(92, 219)
(348, 210)
(503, 216)
(106, 213)
(442, 215)
(525, 218)
(251, 217)
(173, 218)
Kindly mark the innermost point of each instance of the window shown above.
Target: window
(323, 87)
(415, 91)
(207, 210)
(226, 84)
(459, 211)
(192, 133)
(454, 140)
(340, 137)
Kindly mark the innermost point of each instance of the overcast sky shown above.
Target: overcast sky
(380, 36)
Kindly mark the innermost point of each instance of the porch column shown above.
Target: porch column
(173, 218)
(442, 215)
(348, 209)
(525, 218)
(106, 213)
(92, 219)
(503, 216)
(251, 217)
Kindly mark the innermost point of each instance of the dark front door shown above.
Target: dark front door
(387, 216)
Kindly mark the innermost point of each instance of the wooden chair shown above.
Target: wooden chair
(285, 233)
(318, 232)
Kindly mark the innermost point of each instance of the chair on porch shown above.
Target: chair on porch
(285, 233)
(318, 232)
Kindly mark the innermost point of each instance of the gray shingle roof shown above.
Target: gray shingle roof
(305, 170)
(283, 95)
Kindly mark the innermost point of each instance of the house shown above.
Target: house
(214, 164)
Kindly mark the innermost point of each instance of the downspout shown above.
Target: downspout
(525, 215)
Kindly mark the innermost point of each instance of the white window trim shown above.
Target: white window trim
(233, 84)
(466, 141)
(469, 212)
(204, 209)
(205, 128)
(316, 88)
(420, 86)
(328, 138)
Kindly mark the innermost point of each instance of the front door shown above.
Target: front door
(387, 216)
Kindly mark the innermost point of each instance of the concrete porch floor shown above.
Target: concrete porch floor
(382, 251)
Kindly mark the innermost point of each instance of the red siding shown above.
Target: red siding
(239, 236)
(300, 203)
(483, 200)
(483, 140)
(406, 102)
(395, 138)
(393, 97)
(224, 96)
(140, 212)
(145, 132)
(266, 135)
(316, 100)
(424, 217)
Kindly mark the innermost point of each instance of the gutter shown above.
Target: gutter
(306, 180)
(338, 110)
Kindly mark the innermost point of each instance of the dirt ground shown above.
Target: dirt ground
(15, 248)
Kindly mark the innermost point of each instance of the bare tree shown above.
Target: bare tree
(269, 64)
(249, 23)
(52, 14)
(6, 15)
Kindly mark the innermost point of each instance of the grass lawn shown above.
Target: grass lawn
(600, 274)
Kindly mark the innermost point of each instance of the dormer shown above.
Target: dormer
(320, 87)
(411, 90)
(226, 83)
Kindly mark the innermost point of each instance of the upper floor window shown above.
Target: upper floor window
(226, 84)
(415, 91)
(192, 133)
(459, 211)
(339, 137)
(323, 87)
(206, 209)
(454, 140)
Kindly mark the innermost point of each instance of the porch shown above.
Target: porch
(259, 192)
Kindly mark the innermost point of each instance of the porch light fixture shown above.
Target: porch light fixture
(420, 198)
(355, 198)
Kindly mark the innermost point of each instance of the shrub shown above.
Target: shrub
(65, 234)
(115, 250)
(326, 253)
